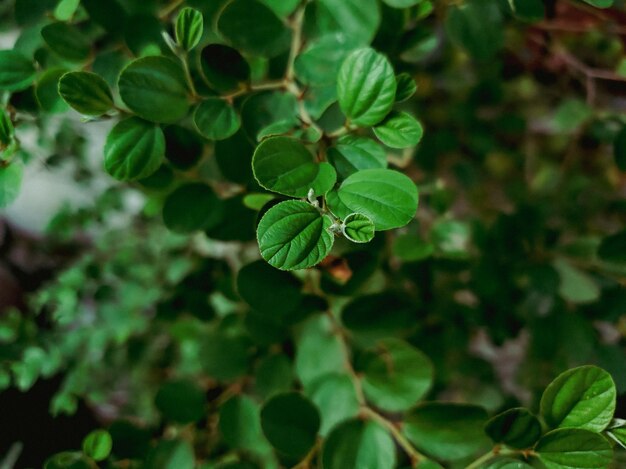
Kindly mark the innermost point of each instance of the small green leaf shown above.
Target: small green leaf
(575, 284)
(447, 431)
(47, 91)
(10, 182)
(257, 201)
(517, 428)
(191, 207)
(406, 87)
(366, 87)
(397, 376)
(170, 454)
(68, 460)
(65, 9)
(216, 119)
(387, 197)
(86, 92)
(97, 445)
(17, 71)
(134, 149)
(240, 423)
(399, 130)
(180, 401)
(67, 41)
(574, 448)
(613, 248)
(582, 397)
(352, 154)
(155, 89)
(600, 3)
(358, 444)
(358, 228)
(619, 146)
(223, 67)
(189, 28)
(293, 235)
(284, 165)
(336, 398)
(252, 27)
(290, 422)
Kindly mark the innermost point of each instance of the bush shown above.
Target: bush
(370, 333)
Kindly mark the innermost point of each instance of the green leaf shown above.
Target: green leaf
(17, 71)
(223, 67)
(402, 3)
(318, 64)
(97, 445)
(155, 88)
(619, 145)
(191, 207)
(290, 422)
(406, 87)
(257, 201)
(366, 87)
(7, 130)
(583, 397)
(358, 228)
(293, 235)
(216, 119)
(180, 401)
(529, 10)
(67, 41)
(575, 285)
(134, 149)
(352, 154)
(476, 26)
(65, 9)
(234, 158)
(253, 28)
(399, 130)
(274, 375)
(613, 248)
(357, 19)
(264, 109)
(397, 376)
(284, 165)
(335, 397)
(600, 3)
(387, 197)
(86, 92)
(573, 448)
(240, 423)
(68, 460)
(506, 463)
(170, 454)
(189, 28)
(10, 182)
(359, 443)
(619, 435)
(517, 428)
(47, 91)
(447, 431)
(378, 316)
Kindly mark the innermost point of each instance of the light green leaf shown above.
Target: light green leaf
(366, 87)
(399, 130)
(253, 28)
(134, 149)
(359, 444)
(293, 235)
(10, 182)
(97, 445)
(257, 201)
(216, 119)
(357, 19)
(358, 228)
(600, 3)
(67, 41)
(65, 9)
(86, 92)
(189, 28)
(171, 454)
(155, 89)
(47, 91)
(517, 428)
(290, 422)
(191, 207)
(406, 87)
(618, 435)
(583, 397)
(397, 376)
(17, 71)
(335, 397)
(573, 448)
(284, 165)
(387, 197)
(575, 285)
(352, 154)
(447, 431)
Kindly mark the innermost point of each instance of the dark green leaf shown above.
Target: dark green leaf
(47, 91)
(477, 27)
(573, 448)
(530, 10)
(406, 87)
(319, 62)
(402, 3)
(335, 396)
(240, 423)
(517, 428)
(613, 248)
(216, 119)
(191, 207)
(17, 72)
(67, 41)
(180, 401)
(86, 92)
(170, 454)
(619, 147)
(357, 19)
(223, 67)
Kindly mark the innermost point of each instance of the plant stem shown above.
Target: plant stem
(183, 58)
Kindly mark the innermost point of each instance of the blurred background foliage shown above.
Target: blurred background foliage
(512, 271)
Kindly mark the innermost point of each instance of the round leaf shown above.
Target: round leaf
(223, 67)
(358, 228)
(293, 235)
(252, 27)
(65, 9)
(583, 397)
(366, 87)
(97, 445)
(134, 149)
(240, 423)
(155, 88)
(336, 398)
(67, 41)
(189, 28)
(517, 428)
(191, 207)
(284, 165)
(180, 401)
(290, 422)
(352, 154)
(406, 87)
(399, 130)
(86, 92)
(10, 182)
(359, 443)
(571, 448)
(216, 119)
(387, 197)
(17, 71)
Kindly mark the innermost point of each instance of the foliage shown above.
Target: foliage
(371, 334)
